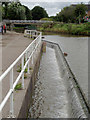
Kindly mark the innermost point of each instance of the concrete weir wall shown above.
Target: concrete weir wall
(28, 95)
(78, 106)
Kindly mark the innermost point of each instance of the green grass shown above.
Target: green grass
(70, 28)
(20, 67)
(18, 86)
(18, 27)
(25, 71)
(19, 70)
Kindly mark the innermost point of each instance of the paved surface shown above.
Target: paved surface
(13, 44)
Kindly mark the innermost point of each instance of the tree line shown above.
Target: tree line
(72, 14)
(17, 11)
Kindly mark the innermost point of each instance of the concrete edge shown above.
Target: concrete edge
(28, 96)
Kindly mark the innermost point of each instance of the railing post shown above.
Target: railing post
(28, 63)
(32, 60)
(36, 33)
(11, 97)
(23, 72)
(26, 56)
(32, 55)
(30, 34)
(40, 36)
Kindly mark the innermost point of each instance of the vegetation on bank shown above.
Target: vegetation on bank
(72, 14)
(68, 28)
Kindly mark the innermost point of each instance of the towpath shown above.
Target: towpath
(13, 44)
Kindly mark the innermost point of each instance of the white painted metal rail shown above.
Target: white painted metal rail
(28, 55)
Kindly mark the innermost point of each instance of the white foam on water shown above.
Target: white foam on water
(50, 100)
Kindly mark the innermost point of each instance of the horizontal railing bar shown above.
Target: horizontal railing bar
(5, 99)
(13, 64)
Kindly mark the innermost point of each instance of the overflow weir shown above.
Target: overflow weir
(52, 90)
(57, 93)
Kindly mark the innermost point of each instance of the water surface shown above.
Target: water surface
(50, 99)
(77, 49)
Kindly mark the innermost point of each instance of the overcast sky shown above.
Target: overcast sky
(51, 6)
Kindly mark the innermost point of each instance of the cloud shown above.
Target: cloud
(55, 0)
(51, 7)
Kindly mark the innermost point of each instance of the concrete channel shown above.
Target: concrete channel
(56, 93)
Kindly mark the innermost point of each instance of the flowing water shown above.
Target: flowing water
(50, 97)
(77, 49)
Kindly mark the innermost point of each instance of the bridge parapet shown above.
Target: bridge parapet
(27, 21)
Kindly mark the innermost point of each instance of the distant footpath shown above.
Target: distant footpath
(67, 28)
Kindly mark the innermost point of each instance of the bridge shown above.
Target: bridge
(26, 21)
(34, 23)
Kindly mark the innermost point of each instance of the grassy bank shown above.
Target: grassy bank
(69, 28)
(19, 29)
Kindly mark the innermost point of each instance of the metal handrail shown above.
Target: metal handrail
(29, 55)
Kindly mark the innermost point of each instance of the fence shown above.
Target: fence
(28, 55)
(31, 33)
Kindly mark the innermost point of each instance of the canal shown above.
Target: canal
(50, 96)
(50, 99)
(77, 49)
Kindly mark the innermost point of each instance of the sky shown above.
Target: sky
(51, 6)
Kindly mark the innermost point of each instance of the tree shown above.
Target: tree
(0, 13)
(28, 13)
(38, 13)
(53, 18)
(16, 11)
(66, 15)
(5, 9)
(80, 11)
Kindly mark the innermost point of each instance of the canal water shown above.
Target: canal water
(77, 49)
(50, 97)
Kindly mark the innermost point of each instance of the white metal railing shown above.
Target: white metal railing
(28, 54)
(31, 33)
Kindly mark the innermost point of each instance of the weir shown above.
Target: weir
(79, 107)
(53, 89)
(57, 93)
